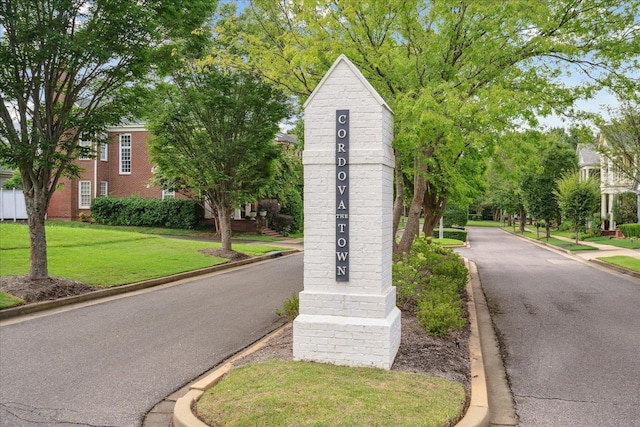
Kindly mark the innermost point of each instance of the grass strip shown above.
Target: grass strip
(569, 246)
(630, 263)
(314, 394)
(7, 301)
(448, 242)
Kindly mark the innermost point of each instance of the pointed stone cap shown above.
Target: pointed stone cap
(342, 59)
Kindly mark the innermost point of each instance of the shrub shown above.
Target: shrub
(625, 208)
(454, 216)
(430, 282)
(630, 230)
(451, 233)
(290, 308)
(170, 213)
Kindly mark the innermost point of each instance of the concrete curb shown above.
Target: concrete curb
(573, 253)
(616, 268)
(22, 310)
(182, 414)
(477, 414)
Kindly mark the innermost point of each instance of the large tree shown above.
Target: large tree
(456, 74)
(555, 158)
(621, 143)
(68, 70)
(214, 135)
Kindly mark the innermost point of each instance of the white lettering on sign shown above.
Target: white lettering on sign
(342, 195)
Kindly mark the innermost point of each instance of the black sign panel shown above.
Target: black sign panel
(342, 195)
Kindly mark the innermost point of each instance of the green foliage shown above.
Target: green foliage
(555, 158)
(630, 230)
(625, 208)
(13, 183)
(578, 200)
(451, 233)
(622, 138)
(430, 282)
(293, 206)
(214, 134)
(69, 70)
(455, 216)
(291, 308)
(137, 211)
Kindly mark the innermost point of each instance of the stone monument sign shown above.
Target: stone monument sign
(348, 314)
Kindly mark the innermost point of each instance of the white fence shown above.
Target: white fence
(12, 205)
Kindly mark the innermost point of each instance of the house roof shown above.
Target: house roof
(587, 156)
(285, 137)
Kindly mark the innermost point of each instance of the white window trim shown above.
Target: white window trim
(80, 194)
(83, 143)
(104, 152)
(168, 194)
(104, 185)
(130, 147)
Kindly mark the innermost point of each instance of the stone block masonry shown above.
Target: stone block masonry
(350, 320)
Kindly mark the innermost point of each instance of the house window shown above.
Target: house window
(125, 154)
(168, 194)
(104, 153)
(85, 152)
(104, 188)
(85, 194)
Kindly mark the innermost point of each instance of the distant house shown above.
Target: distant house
(123, 168)
(120, 169)
(612, 182)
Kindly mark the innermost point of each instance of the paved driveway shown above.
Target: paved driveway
(108, 363)
(571, 332)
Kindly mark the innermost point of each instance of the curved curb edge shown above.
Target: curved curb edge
(477, 414)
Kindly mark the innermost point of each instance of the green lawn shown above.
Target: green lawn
(484, 223)
(448, 242)
(103, 257)
(623, 261)
(620, 243)
(7, 300)
(559, 243)
(281, 393)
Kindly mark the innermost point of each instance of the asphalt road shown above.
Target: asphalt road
(571, 332)
(108, 363)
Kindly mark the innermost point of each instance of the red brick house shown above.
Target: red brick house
(121, 169)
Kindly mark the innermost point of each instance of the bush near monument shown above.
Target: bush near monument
(625, 208)
(430, 282)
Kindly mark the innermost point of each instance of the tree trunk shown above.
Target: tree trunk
(224, 218)
(36, 204)
(398, 203)
(434, 205)
(413, 221)
(547, 227)
(522, 218)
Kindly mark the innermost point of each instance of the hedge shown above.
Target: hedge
(451, 233)
(170, 213)
(630, 230)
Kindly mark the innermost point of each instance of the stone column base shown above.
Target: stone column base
(350, 341)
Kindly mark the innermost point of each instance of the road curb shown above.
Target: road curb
(573, 254)
(477, 414)
(616, 268)
(182, 412)
(22, 310)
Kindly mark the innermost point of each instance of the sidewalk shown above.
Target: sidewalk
(592, 255)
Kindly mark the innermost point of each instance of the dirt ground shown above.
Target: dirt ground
(446, 357)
